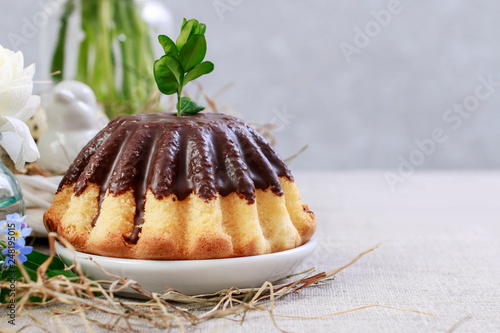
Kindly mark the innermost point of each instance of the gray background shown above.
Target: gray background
(284, 58)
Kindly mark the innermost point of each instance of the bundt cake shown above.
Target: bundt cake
(160, 186)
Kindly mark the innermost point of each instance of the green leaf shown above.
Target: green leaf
(183, 63)
(36, 258)
(203, 28)
(202, 69)
(56, 267)
(188, 29)
(31, 273)
(13, 274)
(168, 46)
(168, 74)
(190, 107)
(193, 52)
(64, 272)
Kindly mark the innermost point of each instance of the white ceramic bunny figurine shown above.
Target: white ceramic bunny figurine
(71, 118)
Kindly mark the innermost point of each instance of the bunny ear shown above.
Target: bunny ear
(64, 96)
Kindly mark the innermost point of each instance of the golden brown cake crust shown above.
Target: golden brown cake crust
(224, 227)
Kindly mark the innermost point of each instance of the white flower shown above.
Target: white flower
(17, 105)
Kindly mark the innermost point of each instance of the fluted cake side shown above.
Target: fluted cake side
(158, 186)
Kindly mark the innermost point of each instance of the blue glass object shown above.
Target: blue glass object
(11, 198)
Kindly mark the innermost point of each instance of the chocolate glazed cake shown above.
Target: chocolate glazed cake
(159, 186)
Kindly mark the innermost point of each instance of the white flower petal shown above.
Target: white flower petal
(12, 144)
(17, 141)
(17, 105)
(20, 81)
(15, 63)
(17, 60)
(29, 109)
(3, 55)
(14, 99)
(5, 73)
(29, 72)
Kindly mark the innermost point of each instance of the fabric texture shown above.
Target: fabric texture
(439, 253)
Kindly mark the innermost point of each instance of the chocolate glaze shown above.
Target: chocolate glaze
(208, 154)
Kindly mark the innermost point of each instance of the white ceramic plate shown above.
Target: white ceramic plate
(193, 277)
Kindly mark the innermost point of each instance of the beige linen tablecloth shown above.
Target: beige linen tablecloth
(440, 254)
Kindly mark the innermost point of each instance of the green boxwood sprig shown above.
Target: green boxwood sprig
(183, 63)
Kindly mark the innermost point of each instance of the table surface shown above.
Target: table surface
(439, 253)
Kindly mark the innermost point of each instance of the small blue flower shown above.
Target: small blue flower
(15, 217)
(20, 233)
(18, 252)
(3, 227)
(20, 230)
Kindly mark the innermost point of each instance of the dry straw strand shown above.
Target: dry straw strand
(83, 297)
